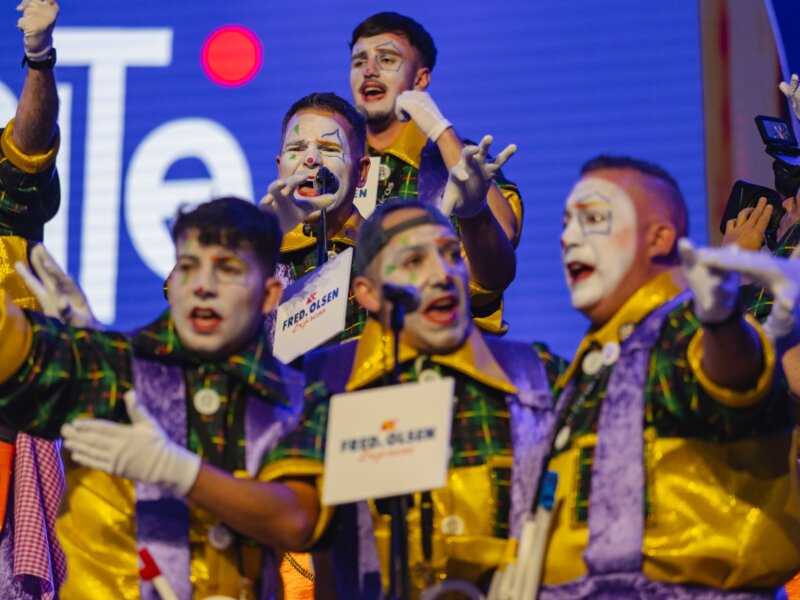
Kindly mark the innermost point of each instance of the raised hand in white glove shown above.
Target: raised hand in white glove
(37, 23)
(716, 292)
(420, 107)
(780, 276)
(470, 179)
(140, 451)
(56, 291)
(792, 92)
(292, 211)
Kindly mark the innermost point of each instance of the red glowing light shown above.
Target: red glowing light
(231, 55)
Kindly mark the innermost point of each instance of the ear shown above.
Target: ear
(363, 170)
(367, 294)
(422, 78)
(661, 239)
(278, 161)
(273, 291)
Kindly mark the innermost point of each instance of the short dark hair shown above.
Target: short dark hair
(372, 237)
(330, 102)
(611, 161)
(233, 223)
(673, 199)
(392, 22)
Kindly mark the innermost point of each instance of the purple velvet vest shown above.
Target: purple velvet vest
(162, 519)
(352, 537)
(616, 512)
(432, 176)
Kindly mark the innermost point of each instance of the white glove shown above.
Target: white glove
(780, 276)
(420, 107)
(292, 211)
(792, 92)
(716, 291)
(470, 179)
(140, 451)
(56, 291)
(37, 23)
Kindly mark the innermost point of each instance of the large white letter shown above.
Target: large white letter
(151, 201)
(108, 52)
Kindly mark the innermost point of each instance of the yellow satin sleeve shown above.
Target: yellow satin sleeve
(30, 163)
(15, 337)
(13, 249)
(722, 515)
(725, 396)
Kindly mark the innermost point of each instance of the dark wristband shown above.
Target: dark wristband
(41, 65)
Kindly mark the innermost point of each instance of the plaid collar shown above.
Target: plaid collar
(253, 364)
(408, 145)
(374, 358)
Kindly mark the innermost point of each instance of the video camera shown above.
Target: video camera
(781, 144)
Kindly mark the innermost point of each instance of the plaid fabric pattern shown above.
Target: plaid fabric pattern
(301, 262)
(402, 179)
(93, 369)
(481, 428)
(27, 200)
(756, 298)
(675, 403)
(38, 487)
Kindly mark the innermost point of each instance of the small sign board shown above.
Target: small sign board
(314, 308)
(388, 441)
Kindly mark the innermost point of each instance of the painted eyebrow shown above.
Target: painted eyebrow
(388, 47)
(591, 203)
(446, 240)
(335, 133)
(227, 258)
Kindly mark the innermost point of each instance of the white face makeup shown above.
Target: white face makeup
(428, 257)
(381, 68)
(315, 139)
(598, 242)
(216, 296)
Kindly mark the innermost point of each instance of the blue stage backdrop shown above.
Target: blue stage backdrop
(145, 127)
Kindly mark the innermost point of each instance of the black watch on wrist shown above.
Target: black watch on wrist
(46, 64)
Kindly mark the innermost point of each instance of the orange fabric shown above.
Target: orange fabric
(793, 588)
(295, 585)
(6, 463)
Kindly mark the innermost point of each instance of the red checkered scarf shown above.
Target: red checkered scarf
(38, 487)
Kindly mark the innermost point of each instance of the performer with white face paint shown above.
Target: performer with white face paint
(319, 130)
(175, 467)
(671, 442)
(502, 415)
(391, 63)
(598, 249)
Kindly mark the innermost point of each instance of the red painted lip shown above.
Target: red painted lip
(307, 189)
(204, 320)
(442, 310)
(579, 271)
(372, 91)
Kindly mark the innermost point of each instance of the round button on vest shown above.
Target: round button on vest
(220, 537)
(592, 362)
(610, 353)
(206, 401)
(452, 525)
(428, 376)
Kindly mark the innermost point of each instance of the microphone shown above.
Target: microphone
(402, 295)
(325, 182)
